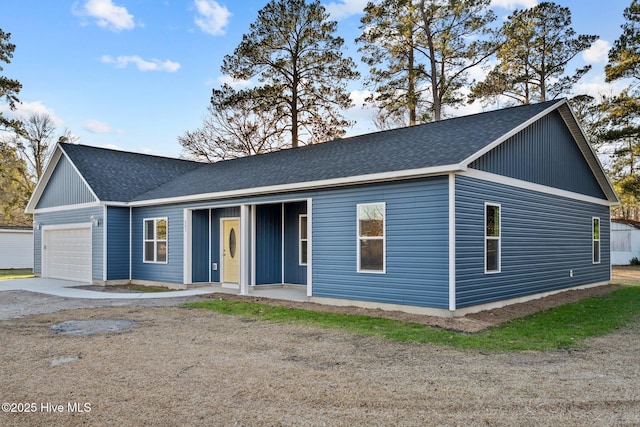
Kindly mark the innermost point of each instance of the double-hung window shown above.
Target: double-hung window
(155, 240)
(303, 246)
(371, 237)
(595, 236)
(492, 238)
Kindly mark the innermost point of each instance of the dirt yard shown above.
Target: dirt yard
(179, 366)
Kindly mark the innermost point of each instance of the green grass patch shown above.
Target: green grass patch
(15, 273)
(566, 326)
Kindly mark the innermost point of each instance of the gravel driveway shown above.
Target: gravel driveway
(171, 365)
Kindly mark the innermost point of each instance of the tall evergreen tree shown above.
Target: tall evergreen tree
(623, 113)
(299, 63)
(390, 40)
(538, 47)
(454, 31)
(420, 52)
(9, 88)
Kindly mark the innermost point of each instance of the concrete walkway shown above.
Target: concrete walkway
(69, 289)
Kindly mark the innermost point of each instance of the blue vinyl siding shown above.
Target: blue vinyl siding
(268, 244)
(294, 273)
(200, 246)
(65, 187)
(543, 237)
(72, 216)
(416, 244)
(172, 271)
(117, 243)
(544, 153)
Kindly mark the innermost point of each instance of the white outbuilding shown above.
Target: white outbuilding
(16, 247)
(625, 241)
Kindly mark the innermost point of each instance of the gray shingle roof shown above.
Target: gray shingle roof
(130, 177)
(434, 144)
(119, 176)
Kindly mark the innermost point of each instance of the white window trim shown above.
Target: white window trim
(383, 238)
(155, 240)
(594, 240)
(300, 239)
(486, 238)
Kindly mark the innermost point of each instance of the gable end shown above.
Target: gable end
(65, 187)
(544, 153)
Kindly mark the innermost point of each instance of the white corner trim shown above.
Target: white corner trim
(309, 247)
(513, 182)
(452, 242)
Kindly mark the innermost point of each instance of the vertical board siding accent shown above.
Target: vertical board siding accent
(543, 238)
(73, 216)
(65, 187)
(118, 243)
(200, 246)
(294, 273)
(268, 244)
(416, 243)
(544, 153)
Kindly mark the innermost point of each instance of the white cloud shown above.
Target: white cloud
(514, 4)
(345, 8)
(95, 126)
(598, 52)
(596, 86)
(234, 83)
(212, 18)
(25, 109)
(107, 14)
(141, 64)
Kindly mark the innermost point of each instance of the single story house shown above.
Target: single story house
(443, 218)
(16, 247)
(625, 241)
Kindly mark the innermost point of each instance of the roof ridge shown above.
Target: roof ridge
(117, 150)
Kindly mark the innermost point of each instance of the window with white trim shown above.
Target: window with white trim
(303, 243)
(155, 240)
(492, 238)
(371, 237)
(595, 235)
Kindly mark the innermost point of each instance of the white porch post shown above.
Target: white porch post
(253, 245)
(245, 234)
(187, 276)
(309, 247)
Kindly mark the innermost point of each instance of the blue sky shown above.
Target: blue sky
(136, 74)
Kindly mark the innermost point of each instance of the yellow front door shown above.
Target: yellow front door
(230, 251)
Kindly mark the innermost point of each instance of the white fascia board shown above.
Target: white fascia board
(511, 133)
(7, 231)
(309, 185)
(66, 207)
(501, 179)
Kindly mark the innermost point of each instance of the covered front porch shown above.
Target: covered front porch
(250, 248)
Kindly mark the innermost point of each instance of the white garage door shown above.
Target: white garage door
(67, 254)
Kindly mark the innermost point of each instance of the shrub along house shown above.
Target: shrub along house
(442, 218)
